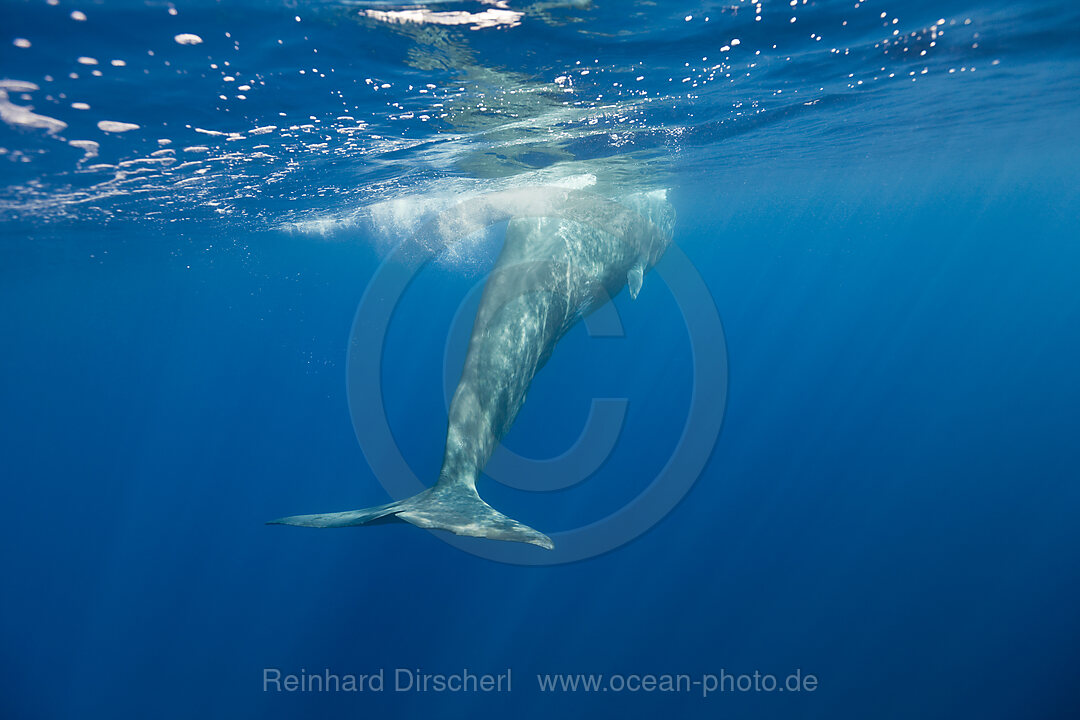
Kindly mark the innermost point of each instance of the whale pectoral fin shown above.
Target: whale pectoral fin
(634, 277)
(454, 507)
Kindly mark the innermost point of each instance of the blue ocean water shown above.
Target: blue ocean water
(880, 198)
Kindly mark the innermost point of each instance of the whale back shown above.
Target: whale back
(593, 236)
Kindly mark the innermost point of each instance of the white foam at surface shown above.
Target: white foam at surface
(19, 116)
(114, 126)
(492, 17)
(89, 147)
(188, 39)
(150, 161)
(18, 85)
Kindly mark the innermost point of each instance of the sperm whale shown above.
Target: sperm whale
(557, 264)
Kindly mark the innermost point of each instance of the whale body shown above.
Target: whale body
(553, 270)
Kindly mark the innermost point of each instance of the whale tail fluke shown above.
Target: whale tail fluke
(454, 506)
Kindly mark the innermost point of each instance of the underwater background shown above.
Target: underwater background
(881, 198)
